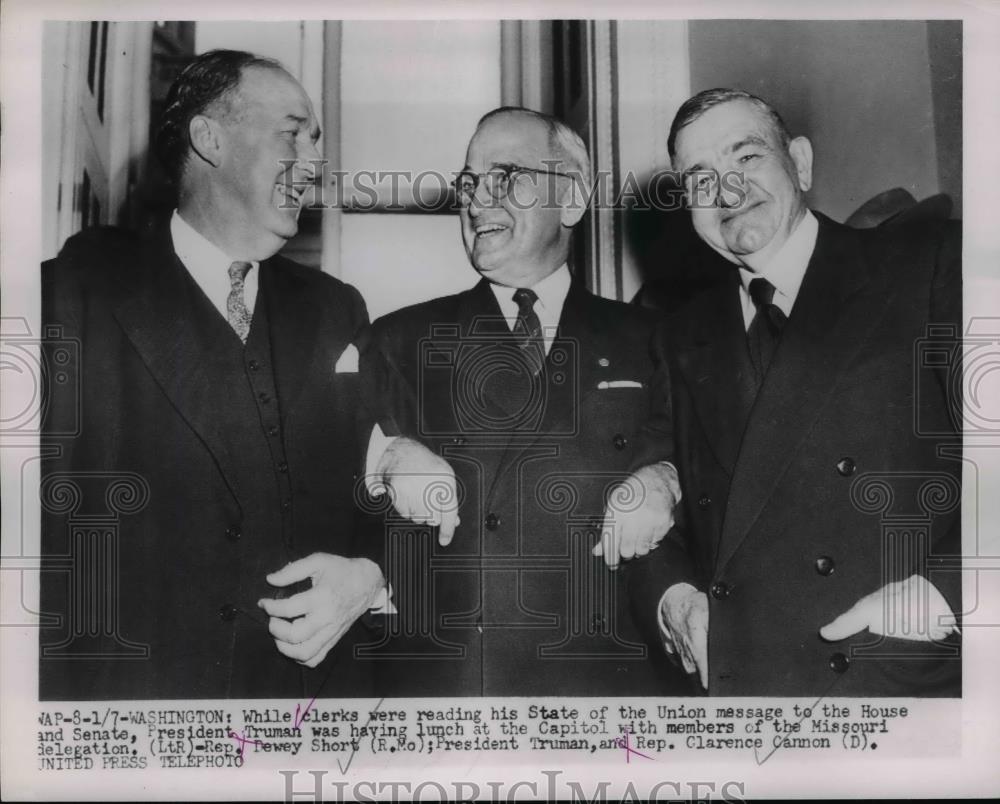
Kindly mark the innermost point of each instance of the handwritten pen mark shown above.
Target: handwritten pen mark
(350, 759)
(300, 717)
(622, 742)
(243, 740)
(811, 709)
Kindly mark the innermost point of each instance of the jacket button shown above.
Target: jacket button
(846, 467)
(720, 590)
(283, 468)
(253, 365)
(704, 501)
(839, 662)
(228, 612)
(825, 565)
(286, 505)
(263, 397)
(619, 441)
(272, 430)
(233, 534)
(492, 522)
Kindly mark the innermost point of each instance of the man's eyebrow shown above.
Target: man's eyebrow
(695, 168)
(314, 132)
(753, 139)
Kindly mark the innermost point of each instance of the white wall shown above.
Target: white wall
(411, 94)
(860, 90)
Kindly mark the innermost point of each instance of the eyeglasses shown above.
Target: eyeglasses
(497, 181)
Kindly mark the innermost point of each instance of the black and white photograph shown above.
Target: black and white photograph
(569, 402)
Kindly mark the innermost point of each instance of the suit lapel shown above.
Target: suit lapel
(293, 317)
(486, 339)
(711, 351)
(179, 336)
(839, 303)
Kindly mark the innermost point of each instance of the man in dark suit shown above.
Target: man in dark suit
(509, 415)
(207, 465)
(821, 498)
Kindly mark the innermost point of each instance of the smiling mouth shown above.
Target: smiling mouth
(489, 230)
(743, 210)
(291, 195)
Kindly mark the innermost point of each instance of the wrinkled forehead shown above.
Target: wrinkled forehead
(511, 138)
(717, 131)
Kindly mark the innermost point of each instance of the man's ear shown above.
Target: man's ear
(801, 151)
(206, 139)
(573, 203)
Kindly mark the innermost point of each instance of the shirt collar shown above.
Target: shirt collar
(788, 267)
(199, 255)
(551, 292)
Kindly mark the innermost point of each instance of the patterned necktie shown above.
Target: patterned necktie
(765, 329)
(528, 329)
(236, 307)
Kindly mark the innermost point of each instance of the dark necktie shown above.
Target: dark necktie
(528, 328)
(765, 329)
(236, 306)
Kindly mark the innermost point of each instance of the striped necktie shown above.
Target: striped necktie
(528, 328)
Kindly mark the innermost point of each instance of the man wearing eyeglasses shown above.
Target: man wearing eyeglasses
(508, 417)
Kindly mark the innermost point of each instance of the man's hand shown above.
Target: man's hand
(638, 514)
(912, 609)
(342, 590)
(422, 486)
(684, 626)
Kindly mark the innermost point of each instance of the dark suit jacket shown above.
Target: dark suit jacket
(842, 477)
(199, 485)
(516, 605)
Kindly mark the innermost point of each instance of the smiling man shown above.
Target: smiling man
(218, 383)
(508, 414)
(794, 394)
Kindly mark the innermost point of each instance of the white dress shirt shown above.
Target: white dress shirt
(551, 293)
(209, 266)
(785, 271)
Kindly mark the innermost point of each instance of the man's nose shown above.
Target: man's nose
(307, 161)
(730, 191)
(481, 198)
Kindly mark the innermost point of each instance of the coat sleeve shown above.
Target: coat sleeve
(648, 577)
(944, 383)
(389, 401)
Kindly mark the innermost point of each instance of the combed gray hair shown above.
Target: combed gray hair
(695, 106)
(563, 140)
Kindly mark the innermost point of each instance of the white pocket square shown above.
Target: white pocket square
(347, 363)
(605, 384)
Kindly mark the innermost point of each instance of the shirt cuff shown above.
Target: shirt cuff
(378, 443)
(383, 602)
(672, 479)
